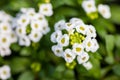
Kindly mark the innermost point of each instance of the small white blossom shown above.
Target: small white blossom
(78, 48)
(76, 21)
(5, 40)
(5, 72)
(23, 20)
(95, 45)
(36, 25)
(59, 25)
(21, 30)
(88, 44)
(46, 9)
(5, 27)
(55, 36)
(81, 28)
(58, 50)
(24, 41)
(64, 40)
(35, 36)
(69, 56)
(87, 65)
(91, 32)
(5, 51)
(104, 10)
(83, 58)
(89, 6)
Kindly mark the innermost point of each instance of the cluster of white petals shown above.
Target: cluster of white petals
(30, 25)
(90, 7)
(5, 72)
(74, 39)
(7, 35)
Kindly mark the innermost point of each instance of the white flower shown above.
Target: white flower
(89, 6)
(69, 56)
(45, 29)
(83, 58)
(81, 28)
(58, 50)
(36, 25)
(78, 48)
(87, 65)
(5, 27)
(76, 21)
(40, 17)
(55, 36)
(24, 41)
(59, 25)
(5, 72)
(5, 40)
(5, 51)
(69, 26)
(13, 37)
(21, 30)
(46, 9)
(91, 32)
(95, 45)
(35, 36)
(23, 20)
(88, 44)
(104, 10)
(63, 40)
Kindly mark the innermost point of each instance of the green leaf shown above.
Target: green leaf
(110, 42)
(27, 75)
(116, 69)
(115, 11)
(26, 51)
(15, 47)
(19, 64)
(117, 41)
(69, 74)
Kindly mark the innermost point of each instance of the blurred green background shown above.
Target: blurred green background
(37, 62)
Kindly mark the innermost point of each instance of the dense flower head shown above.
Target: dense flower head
(30, 26)
(5, 72)
(7, 35)
(74, 39)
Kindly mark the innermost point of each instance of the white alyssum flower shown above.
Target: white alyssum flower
(35, 36)
(5, 40)
(78, 48)
(81, 28)
(74, 39)
(88, 65)
(83, 58)
(24, 41)
(104, 10)
(91, 32)
(69, 56)
(5, 51)
(5, 72)
(58, 50)
(64, 40)
(46, 9)
(55, 36)
(59, 25)
(89, 6)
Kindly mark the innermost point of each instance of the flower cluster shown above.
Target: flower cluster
(74, 39)
(5, 72)
(90, 8)
(7, 36)
(30, 26)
